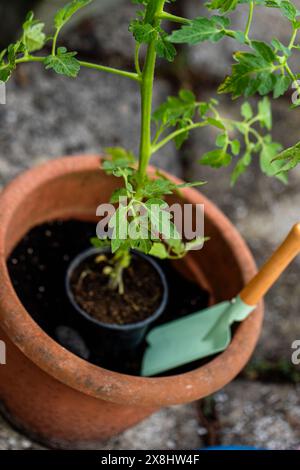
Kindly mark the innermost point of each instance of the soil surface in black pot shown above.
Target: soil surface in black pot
(37, 268)
(143, 291)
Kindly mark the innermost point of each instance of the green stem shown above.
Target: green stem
(249, 20)
(29, 58)
(101, 68)
(55, 42)
(154, 10)
(175, 134)
(291, 75)
(176, 19)
(137, 59)
(293, 37)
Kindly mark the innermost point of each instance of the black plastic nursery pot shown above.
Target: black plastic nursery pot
(114, 338)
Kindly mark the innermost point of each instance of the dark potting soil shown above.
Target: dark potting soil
(143, 291)
(38, 266)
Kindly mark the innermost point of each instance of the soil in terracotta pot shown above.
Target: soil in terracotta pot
(143, 291)
(38, 267)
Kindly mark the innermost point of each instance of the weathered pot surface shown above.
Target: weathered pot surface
(63, 400)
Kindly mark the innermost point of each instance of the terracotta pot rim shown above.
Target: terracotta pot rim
(88, 378)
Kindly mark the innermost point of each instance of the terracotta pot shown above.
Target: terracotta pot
(54, 395)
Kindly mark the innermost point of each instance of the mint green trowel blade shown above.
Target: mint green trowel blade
(192, 337)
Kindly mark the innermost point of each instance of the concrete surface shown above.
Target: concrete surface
(48, 116)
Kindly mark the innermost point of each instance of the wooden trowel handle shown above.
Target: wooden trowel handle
(271, 270)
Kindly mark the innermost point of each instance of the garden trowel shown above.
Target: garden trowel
(208, 332)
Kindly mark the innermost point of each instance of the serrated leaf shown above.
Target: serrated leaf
(264, 50)
(164, 48)
(289, 157)
(63, 63)
(143, 32)
(64, 14)
(201, 29)
(250, 75)
(157, 187)
(281, 85)
(176, 110)
(8, 61)
(34, 37)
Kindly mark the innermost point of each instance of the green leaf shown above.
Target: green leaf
(264, 50)
(119, 153)
(290, 158)
(157, 188)
(118, 194)
(143, 32)
(216, 123)
(100, 243)
(64, 14)
(164, 48)
(246, 111)
(286, 6)
(240, 167)
(235, 146)
(281, 85)
(221, 140)
(34, 37)
(267, 164)
(278, 46)
(265, 113)
(251, 74)
(176, 110)
(216, 158)
(288, 9)
(63, 63)
(201, 29)
(119, 223)
(159, 250)
(223, 5)
(8, 61)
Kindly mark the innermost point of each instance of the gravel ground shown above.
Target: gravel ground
(48, 116)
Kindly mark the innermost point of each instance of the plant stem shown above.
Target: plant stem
(176, 19)
(154, 10)
(249, 20)
(293, 37)
(174, 134)
(55, 42)
(137, 59)
(29, 58)
(101, 68)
